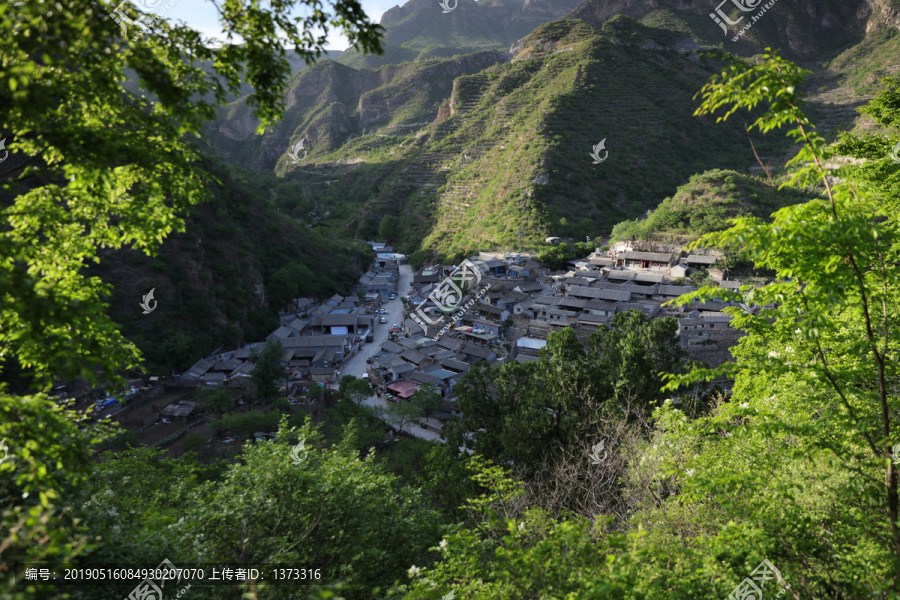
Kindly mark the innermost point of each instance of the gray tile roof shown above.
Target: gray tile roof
(455, 365)
(600, 294)
(700, 259)
(651, 256)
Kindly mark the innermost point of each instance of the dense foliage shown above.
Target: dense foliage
(531, 412)
(94, 167)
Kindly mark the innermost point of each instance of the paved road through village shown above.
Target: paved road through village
(357, 365)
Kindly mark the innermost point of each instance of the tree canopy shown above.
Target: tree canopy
(93, 166)
(268, 374)
(529, 412)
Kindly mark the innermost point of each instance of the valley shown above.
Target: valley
(519, 299)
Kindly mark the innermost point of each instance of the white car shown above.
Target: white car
(383, 320)
(395, 325)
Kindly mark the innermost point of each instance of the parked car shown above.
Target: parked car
(393, 296)
(384, 319)
(395, 325)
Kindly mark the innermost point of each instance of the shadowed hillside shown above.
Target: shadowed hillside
(221, 283)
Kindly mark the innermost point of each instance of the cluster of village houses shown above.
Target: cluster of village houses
(511, 321)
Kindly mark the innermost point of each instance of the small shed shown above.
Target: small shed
(180, 411)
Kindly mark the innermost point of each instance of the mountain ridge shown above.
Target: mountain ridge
(436, 142)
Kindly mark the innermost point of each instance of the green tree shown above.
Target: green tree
(268, 374)
(282, 405)
(292, 281)
(816, 367)
(531, 412)
(195, 442)
(428, 398)
(401, 414)
(74, 184)
(335, 511)
(216, 400)
(37, 437)
(555, 257)
(389, 228)
(316, 392)
(355, 389)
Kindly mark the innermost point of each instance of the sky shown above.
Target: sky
(202, 16)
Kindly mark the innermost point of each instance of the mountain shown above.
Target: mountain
(706, 203)
(296, 62)
(421, 29)
(492, 148)
(331, 104)
(802, 29)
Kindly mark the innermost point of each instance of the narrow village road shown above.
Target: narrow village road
(357, 365)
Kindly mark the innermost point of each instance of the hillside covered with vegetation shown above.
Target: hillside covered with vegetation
(707, 203)
(221, 283)
(509, 153)
(611, 468)
(491, 150)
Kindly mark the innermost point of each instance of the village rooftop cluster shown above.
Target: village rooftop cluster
(524, 304)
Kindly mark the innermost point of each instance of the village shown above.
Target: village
(377, 334)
